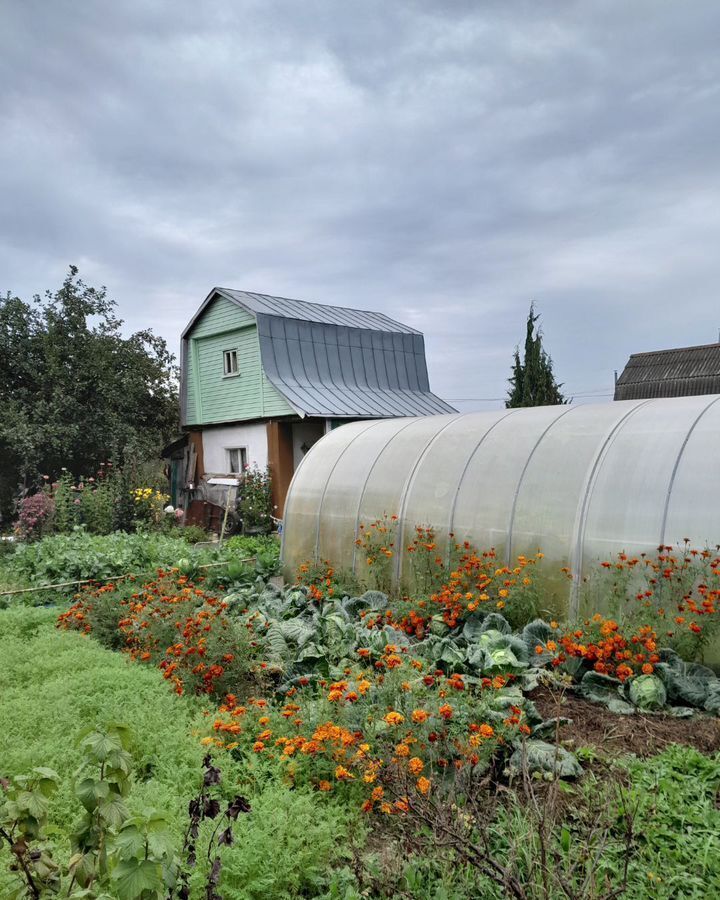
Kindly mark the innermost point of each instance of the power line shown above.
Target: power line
(571, 394)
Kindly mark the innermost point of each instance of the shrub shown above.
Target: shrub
(255, 501)
(35, 516)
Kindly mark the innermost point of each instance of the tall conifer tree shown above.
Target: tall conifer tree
(532, 382)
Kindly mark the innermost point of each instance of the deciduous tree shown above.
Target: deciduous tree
(74, 391)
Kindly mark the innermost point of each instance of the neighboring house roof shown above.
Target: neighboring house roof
(336, 362)
(681, 372)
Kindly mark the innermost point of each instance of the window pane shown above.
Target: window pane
(230, 363)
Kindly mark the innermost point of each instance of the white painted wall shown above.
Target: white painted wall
(217, 441)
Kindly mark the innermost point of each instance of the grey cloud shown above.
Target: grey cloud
(443, 163)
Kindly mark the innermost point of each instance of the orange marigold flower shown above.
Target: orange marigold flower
(377, 794)
(420, 715)
(415, 765)
(446, 711)
(258, 747)
(394, 718)
(325, 786)
(423, 785)
(342, 774)
(402, 750)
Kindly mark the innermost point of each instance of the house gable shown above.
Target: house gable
(210, 394)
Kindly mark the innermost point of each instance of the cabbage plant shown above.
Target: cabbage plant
(647, 692)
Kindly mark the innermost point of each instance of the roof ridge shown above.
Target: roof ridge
(676, 349)
(404, 329)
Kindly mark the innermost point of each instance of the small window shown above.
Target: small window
(230, 362)
(237, 460)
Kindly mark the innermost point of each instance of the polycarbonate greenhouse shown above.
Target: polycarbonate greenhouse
(580, 483)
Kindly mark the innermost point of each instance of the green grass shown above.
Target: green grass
(54, 684)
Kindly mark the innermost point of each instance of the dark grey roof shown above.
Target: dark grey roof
(331, 370)
(335, 362)
(314, 312)
(680, 372)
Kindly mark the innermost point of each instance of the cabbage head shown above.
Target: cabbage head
(647, 692)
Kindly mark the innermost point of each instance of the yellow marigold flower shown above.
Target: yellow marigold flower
(423, 785)
(342, 774)
(207, 740)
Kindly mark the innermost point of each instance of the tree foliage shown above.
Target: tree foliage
(73, 390)
(532, 382)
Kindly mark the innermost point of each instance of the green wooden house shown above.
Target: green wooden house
(263, 378)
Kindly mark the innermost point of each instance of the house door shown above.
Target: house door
(304, 435)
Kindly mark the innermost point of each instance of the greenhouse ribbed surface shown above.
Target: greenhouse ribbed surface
(580, 483)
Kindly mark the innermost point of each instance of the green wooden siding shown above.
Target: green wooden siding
(212, 397)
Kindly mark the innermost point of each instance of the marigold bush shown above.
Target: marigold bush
(170, 623)
(386, 729)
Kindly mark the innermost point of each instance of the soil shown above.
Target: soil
(644, 735)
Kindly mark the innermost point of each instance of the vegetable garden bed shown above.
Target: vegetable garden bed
(453, 740)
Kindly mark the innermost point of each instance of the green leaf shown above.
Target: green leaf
(297, 630)
(129, 841)
(540, 756)
(600, 688)
(91, 791)
(113, 810)
(101, 743)
(565, 839)
(132, 877)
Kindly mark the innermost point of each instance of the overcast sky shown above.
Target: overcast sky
(442, 162)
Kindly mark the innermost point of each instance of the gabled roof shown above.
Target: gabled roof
(680, 372)
(336, 362)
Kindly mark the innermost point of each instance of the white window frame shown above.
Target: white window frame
(231, 365)
(242, 458)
